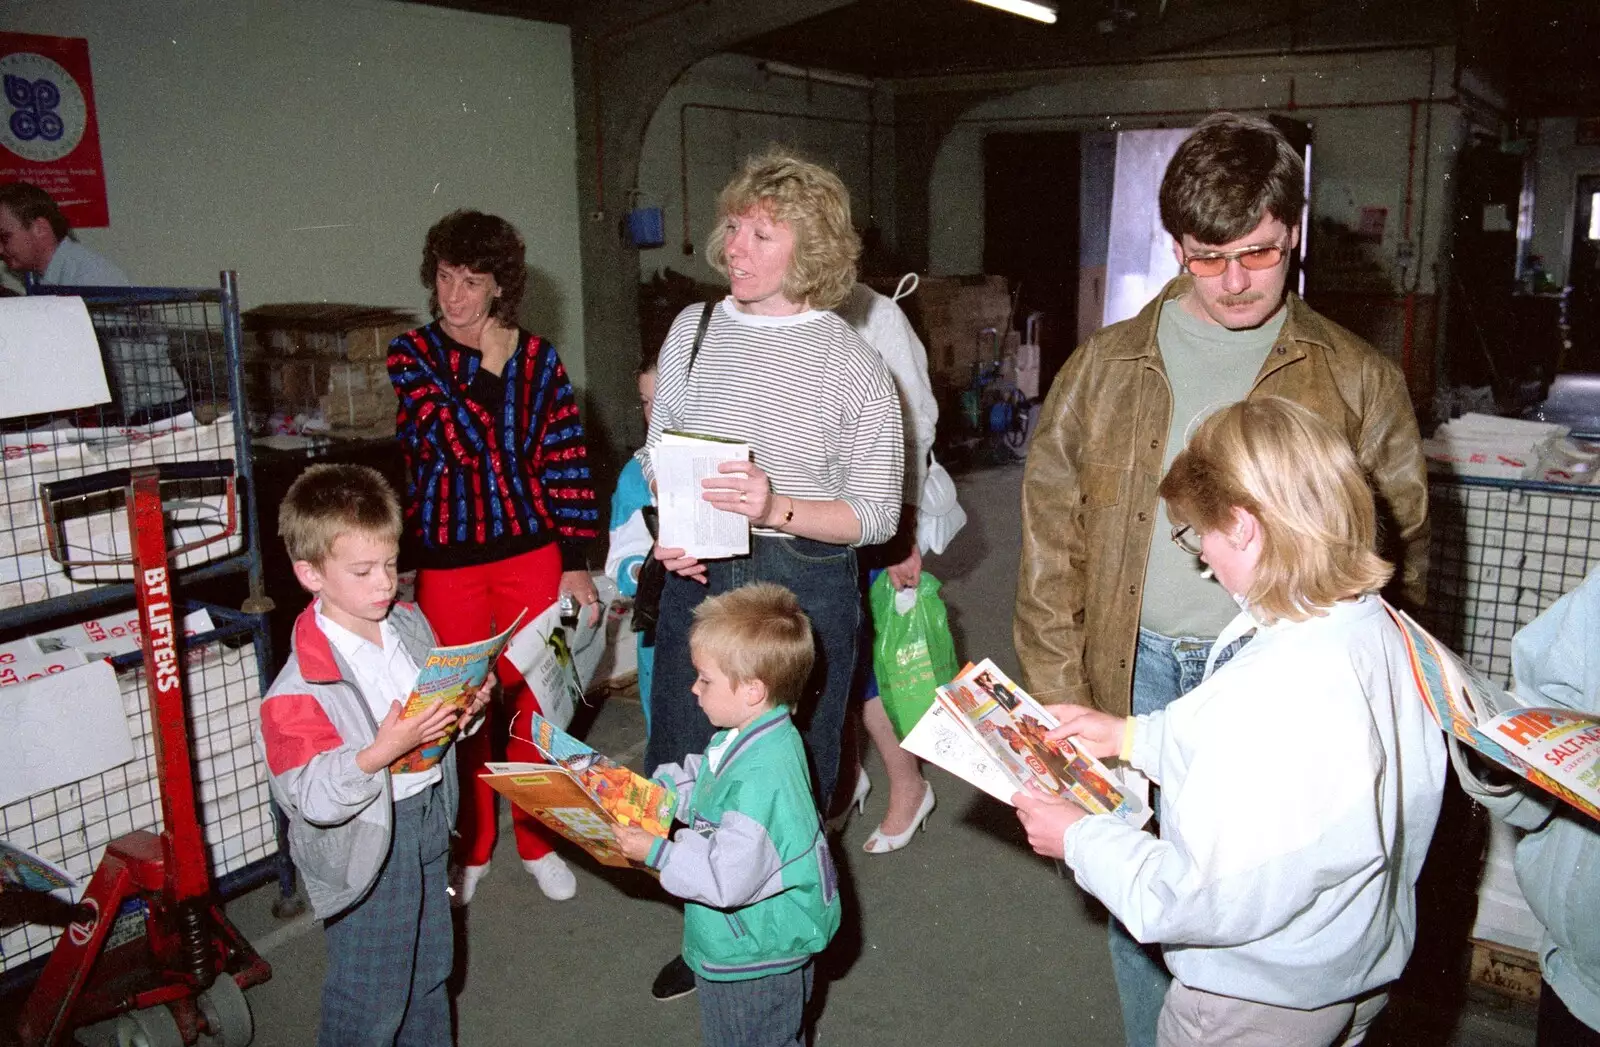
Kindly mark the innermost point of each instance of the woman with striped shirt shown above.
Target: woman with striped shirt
(499, 502)
(779, 370)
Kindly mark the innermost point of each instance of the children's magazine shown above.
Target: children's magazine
(1005, 746)
(22, 870)
(452, 675)
(1555, 749)
(580, 793)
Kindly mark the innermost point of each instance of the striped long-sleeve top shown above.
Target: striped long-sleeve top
(495, 465)
(815, 402)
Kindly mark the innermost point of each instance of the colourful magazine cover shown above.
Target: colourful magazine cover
(22, 870)
(1012, 726)
(452, 675)
(630, 798)
(555, 796)
(1556, 749)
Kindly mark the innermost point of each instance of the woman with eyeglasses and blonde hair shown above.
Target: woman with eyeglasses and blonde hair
(1300, 780)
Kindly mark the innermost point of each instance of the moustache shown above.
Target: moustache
(1230, 300)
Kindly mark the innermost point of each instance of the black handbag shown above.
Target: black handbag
(653, 573)
(652, 579)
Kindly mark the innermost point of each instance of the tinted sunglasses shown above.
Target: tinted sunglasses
(1256, 258)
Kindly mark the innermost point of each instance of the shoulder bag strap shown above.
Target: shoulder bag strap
(700, 334)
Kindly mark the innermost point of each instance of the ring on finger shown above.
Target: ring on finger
(744, 496)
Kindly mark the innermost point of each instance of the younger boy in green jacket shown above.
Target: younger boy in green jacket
(753, 864)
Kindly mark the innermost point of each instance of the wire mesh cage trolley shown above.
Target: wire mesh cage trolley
(1502, 552)
(172, 364)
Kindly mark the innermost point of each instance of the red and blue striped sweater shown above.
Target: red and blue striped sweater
(495, 466)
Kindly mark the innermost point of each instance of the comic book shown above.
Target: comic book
(453, 675)
(1009, 728)
(1556, 749)
(22, 870)
(581, 793)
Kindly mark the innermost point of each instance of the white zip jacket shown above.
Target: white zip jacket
(1299, 789)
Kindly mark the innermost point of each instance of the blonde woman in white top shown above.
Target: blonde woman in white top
(1300, 782)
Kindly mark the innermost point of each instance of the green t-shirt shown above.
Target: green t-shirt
(1208, 367)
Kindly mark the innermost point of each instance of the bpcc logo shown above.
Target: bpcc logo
(46, 113)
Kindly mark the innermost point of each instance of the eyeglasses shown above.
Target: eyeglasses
(1255, 258)
(1187, 539)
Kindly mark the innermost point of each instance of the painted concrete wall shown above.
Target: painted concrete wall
(1559, 162)
(725, 109)
(310, 145)
(1360, 155)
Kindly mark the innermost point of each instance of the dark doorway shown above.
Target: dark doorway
(1584, 276)
(1483, 342)
(1030, 233)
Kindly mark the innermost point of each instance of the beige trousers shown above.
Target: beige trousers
(1195, 1018)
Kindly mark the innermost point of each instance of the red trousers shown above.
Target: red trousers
(467, 604)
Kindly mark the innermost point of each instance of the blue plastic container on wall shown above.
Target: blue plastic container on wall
(645, 227)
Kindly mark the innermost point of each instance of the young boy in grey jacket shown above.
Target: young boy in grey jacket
(371, 845)
(753, 863)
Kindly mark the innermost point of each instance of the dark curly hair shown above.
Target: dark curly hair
(484, 243)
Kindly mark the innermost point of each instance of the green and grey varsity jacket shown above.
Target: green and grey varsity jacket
(753, 864)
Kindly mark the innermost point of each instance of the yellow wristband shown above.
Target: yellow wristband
(1126, 752)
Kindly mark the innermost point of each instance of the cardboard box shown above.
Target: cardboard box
(1513, 973)
(349, 396)
(963, 320)
(327, 329)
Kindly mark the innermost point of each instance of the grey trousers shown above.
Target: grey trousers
(1195, 1018)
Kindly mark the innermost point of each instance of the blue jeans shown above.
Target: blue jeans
(1164, 669)
(390, 953)
(823, 578)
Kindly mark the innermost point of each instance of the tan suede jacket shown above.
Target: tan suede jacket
(1089, 492)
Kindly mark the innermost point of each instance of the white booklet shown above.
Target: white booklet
(687, 521)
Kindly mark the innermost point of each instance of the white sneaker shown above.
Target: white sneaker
(555, 879)
(464, 882)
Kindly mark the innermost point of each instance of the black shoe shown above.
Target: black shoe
(675, 980)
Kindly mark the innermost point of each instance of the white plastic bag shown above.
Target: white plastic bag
(542, 653)
(940, 515)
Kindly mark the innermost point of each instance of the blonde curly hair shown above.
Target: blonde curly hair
(815, 205)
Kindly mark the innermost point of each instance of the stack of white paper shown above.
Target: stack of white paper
(688, 521)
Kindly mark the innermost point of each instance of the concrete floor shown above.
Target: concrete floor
(963, 938)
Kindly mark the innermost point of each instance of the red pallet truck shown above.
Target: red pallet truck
(149, 959)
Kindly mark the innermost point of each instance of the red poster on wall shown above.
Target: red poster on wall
(48, 132)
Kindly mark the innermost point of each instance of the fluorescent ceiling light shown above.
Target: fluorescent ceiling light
(1038, 10)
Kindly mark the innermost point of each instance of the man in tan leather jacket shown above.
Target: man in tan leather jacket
(1110, 613)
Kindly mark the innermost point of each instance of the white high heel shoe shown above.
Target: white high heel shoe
(881, 842)
(858, 800)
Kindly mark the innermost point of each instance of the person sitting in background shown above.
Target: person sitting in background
(499, 502)
(37, 240)
(37, 243)
(1301, 780)
(1555, 660)
(631, 537)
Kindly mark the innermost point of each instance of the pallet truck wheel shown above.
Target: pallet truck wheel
(227, 1013)
(151, 1027)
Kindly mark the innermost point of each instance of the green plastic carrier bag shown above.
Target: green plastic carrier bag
(912, 650)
